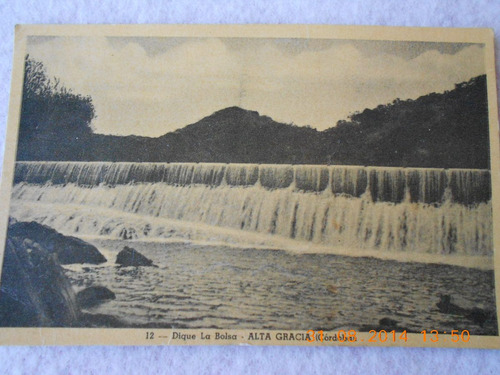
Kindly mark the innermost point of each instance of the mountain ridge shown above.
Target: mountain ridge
(448, 130)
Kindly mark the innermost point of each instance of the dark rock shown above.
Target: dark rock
(128, 234)
(69, 250)
(34, 291)
(479, 316)
(445, 306)
(101, 320)
(476, 315)
(131, 257)
(386, 324)
(93, 296)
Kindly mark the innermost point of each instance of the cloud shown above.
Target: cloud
(138, 93)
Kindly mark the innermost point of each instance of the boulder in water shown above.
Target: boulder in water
(476, 315)
(131, 257)
(386, 324)
(69, 250)
(93, 296)
(445, 306)
(101, 320)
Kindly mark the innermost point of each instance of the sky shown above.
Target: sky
(151, 86)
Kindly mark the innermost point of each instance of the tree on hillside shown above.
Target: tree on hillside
(55, 122)
(447, 129)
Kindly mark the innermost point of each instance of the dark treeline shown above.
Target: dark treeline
(55, 122)
(447, 130)
(435, 130)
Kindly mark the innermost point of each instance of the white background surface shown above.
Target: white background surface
(214, 360)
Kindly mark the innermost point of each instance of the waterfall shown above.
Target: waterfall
(432, 211)
(388, 184)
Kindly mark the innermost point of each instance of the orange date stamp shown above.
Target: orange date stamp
(381, 336)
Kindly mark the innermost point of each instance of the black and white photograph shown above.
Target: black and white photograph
(260, 188)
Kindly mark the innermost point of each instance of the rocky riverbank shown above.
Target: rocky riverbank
(35, 291)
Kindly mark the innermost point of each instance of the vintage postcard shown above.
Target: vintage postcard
(259, 184)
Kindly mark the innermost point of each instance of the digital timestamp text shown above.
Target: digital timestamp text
(454, 336)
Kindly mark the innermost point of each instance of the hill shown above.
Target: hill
(231, 135)
(235, 135)
(436, 130)
(447, 130)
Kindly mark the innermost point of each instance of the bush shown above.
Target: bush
(55, 122)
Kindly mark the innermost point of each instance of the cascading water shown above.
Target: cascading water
(432, 211)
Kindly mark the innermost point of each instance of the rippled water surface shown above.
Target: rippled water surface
(201, 286)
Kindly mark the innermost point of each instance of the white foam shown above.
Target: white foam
(88, 223)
